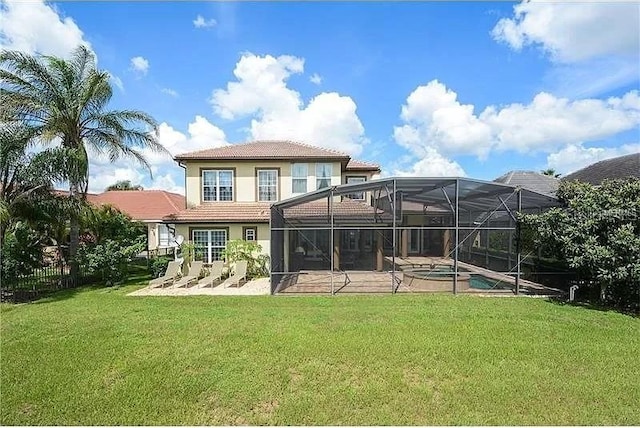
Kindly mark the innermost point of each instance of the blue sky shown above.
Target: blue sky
(434, 88)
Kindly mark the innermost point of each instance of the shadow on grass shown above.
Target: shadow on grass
(137, 275)
(592, 305)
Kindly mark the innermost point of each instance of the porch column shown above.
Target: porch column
(379, 252)
(404, 251)
(336, 250)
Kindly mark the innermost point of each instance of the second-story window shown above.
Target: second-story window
(323, 175)
(359, 196)
(267, 185)
(217, 185)
(299, 173)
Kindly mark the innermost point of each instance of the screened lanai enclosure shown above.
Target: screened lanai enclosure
(397, 235)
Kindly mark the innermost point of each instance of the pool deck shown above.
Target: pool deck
(350, 282)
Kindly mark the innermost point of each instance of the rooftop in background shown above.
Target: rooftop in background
(142, 205)
(530, 180)
(275, 150)
(620, 167)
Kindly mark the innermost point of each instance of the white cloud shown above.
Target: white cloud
(201, 134)
(316, 79)
(433, 164)
(434, 118)
(200, 22)
(35, 27)
(573, 31)
(278, 112)
(170, 92)
(140, 65)
(166, 182)
(117, 81)
(575, 156)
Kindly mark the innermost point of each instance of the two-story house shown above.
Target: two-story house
(229, 190)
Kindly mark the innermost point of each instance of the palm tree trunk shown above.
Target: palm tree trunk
(74, 237)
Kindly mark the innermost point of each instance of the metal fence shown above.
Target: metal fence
(39, 282)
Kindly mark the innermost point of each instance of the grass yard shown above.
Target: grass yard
(95, 356)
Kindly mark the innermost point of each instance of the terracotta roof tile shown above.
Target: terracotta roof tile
(345, 208)
(265, 149)
(142, 204)
(223, 212)
(355, 165)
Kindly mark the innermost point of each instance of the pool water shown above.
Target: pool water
(476, 281)
(483, 283)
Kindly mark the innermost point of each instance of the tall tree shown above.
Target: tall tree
(66, 100)
(124, 185)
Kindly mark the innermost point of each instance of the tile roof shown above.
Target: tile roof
(142, 204)
(223, 212)
(355, 165)
(319, 209)
(620, 167)
(264, 149)
(239, 212)
(531, 180)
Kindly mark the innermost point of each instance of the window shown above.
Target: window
(250, 233)
(299, 173)
(209, 244)
(217, 185)
(359, 196)
(165, 236)
(267, 185)
(323, 175)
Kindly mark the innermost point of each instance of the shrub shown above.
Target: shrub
(108, 261)
(158, 265)
(21, 252)
(598, 234)
(257, 263)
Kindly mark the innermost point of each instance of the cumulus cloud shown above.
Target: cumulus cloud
(200, 22)
(575, 156)
(434, 118)
(433, 164)
(140, 64)
(316, 79)
(278, 112)
(573, 31)
(201, 134)
(436, 124)
(35, 27)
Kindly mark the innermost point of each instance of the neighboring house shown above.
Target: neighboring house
(149, 207)
(531, 180)
(620, 167)
(229, 190)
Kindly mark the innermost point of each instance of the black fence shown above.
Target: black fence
(39, 282)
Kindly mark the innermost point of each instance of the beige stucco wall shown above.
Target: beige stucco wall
(235, 231)
(245, 179)
(152, 236)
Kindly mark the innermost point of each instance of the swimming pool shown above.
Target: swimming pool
(440, 278)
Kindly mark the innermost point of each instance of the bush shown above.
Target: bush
(21, 252)
(257, 263)
(108, 261)
(598, 234)
(158, 265)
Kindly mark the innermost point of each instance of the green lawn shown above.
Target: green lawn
(95, 356)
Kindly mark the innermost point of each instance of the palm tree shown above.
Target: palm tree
(550, 172)
(124, 185)
(66, 100)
